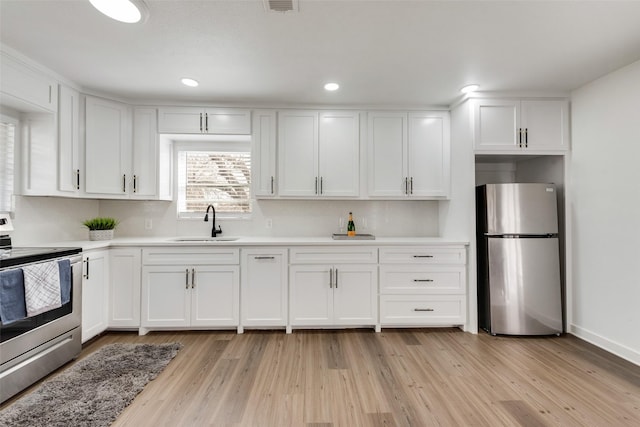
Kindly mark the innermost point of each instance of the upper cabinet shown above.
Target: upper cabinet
(69, 172)
(521, 126)
(409, 155)
(318, 153)
(263, 165)
(224, 121)
(26, 89)
(151, 176)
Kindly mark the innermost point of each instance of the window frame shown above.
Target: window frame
(4, 118)
(226, 145)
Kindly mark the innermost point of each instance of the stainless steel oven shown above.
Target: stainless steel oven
(33, 347)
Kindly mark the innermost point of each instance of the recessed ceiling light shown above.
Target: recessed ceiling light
(470, 88)
(129, 11)
(331, 86)
(189, 82)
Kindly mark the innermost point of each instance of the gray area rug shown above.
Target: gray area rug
(93, 391)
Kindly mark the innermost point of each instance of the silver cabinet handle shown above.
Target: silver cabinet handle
(320, 185)
(336, 281)
(200, 122)
(423, 256)
(316, 185)
(264, 257)
(423, 280)
(411, 183)
(423, 309)
(406, 185)
(193, 278)
(331, 277)
(186, 278)
(124, 183)
(271, 185)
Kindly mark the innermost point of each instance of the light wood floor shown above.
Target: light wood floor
(415, 377)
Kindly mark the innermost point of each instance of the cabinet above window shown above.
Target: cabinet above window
(196, 120)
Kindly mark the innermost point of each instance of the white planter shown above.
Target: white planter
(100, 234)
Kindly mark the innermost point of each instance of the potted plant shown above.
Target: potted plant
(101, 228)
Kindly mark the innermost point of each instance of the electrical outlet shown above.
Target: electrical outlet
(148, 224)
(268, 223)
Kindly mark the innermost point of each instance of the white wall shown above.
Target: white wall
(605, 198)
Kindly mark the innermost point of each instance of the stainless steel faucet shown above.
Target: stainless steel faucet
(214, 232)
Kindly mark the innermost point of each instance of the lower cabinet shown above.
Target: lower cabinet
(124, 288)
(263, 288)
(95, 293)
(201, 294)
(423, 286)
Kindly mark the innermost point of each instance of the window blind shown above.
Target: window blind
(7, 137)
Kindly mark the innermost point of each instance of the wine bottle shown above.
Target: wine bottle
(351, 226)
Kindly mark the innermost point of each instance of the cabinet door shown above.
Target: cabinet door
(263, 158)
(546, 124)
(166, 296)
(298, 153)
(95, 294)
(496, 125)
(107, 147)
(39, 151)
(143, 183)
(387, 145)
(124, 288)
(68, 144)
(310, 295)
(428, 154)
(181, 120)
(355, 295)
(215, 296)
(227, 121)
(339, 154)
(264, 288)
(26, 89)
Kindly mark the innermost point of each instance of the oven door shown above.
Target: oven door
(20, 337)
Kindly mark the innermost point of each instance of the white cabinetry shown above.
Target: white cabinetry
(24, 88)
(423, 286)
(95, 293)
(190, 287)
(409, 155)
(263, 287)
(107, 147)
(124, 288)
(38, 145)
(318, 153)
(68, 140)
(333, 286)
(263, 157)
(225, 121)
(521, 126)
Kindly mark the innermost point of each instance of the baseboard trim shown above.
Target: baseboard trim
(613, 347)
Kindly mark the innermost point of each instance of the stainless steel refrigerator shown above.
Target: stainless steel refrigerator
(519, 287)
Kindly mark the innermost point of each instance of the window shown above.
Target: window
(7, 140)
(219, 174)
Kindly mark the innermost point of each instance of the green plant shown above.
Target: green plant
(101, 223)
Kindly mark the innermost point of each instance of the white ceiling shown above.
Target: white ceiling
(382, 52)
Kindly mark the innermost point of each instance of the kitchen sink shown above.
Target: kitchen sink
(204, 239)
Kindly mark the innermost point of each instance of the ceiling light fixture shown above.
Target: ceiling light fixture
(128, 11)
(470, 88)
(189, 82)
(331, 87)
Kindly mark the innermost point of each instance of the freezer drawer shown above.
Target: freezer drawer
(524, 286)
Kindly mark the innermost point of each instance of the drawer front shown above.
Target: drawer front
(190, 256)
(412, 279)
(423, 255)
(333, 255)
(422, 310)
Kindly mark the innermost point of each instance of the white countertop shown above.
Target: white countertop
(256, 241)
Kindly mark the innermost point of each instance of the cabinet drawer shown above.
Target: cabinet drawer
(412, 279)
(190, 256)
(422, 310)
(333, 255)
(423, 255)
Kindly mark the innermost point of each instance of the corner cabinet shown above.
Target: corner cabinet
(190, 287)
(95, 293)
(319, 154)
(409, 155)
(521, 126)
(222, 121)
(333, 286)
